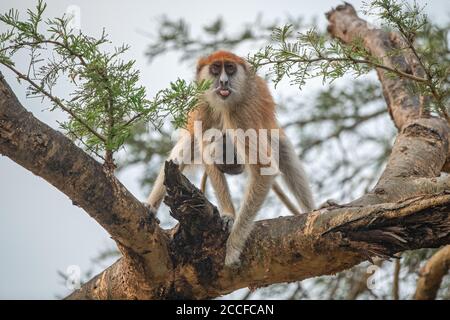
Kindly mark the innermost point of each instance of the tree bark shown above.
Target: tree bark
(287, 248)
(408, 208)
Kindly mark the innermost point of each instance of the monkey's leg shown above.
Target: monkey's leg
(295, 176)
(159, 190)
(257, 189)
(220, 186)
(276, 188)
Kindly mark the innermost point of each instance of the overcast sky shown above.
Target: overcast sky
(40, 230)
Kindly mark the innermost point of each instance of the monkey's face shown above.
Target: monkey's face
(227, 80)
(222, 72)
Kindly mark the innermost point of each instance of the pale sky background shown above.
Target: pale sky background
(40, 230)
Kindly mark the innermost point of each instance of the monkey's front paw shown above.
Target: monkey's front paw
(232, 258)
(227, 222)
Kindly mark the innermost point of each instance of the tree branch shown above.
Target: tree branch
(431, 275)
(409, 155)
(345, 25)
(287, 248)
(396, 280)
(50, 155)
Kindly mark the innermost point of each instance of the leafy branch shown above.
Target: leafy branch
(106, 99)
(312, 54)
(410, 21)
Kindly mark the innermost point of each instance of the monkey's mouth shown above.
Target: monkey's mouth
(223, 93)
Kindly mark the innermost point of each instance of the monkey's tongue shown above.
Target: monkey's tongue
(224, 93)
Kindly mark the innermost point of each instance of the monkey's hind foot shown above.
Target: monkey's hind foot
(232, 258)
(227, 222)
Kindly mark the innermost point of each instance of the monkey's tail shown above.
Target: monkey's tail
(282, 196)
(295, 176)
(203, 182)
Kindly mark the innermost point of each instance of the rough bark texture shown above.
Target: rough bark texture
(286, 248)
(409, 208)
(293, 248)
(431, 275)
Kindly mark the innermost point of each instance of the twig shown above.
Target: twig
(396, 281)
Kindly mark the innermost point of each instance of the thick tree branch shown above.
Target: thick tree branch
(50, 155)
(410, 154)
(431, 275)
(403, 105)
(345, 25)
(287, 248)
(292, 248)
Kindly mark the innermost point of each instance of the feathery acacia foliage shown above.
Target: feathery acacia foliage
(107, 100)
(314, 54)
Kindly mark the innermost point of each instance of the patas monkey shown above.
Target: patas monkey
(238, 99)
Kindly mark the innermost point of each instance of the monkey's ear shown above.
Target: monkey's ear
(248, 67)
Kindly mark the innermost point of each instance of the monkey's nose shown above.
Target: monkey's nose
(224, 83)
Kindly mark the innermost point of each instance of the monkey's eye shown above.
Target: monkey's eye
(215, 69)
(230, 68)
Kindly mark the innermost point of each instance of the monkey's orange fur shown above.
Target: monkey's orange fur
(220, 56)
